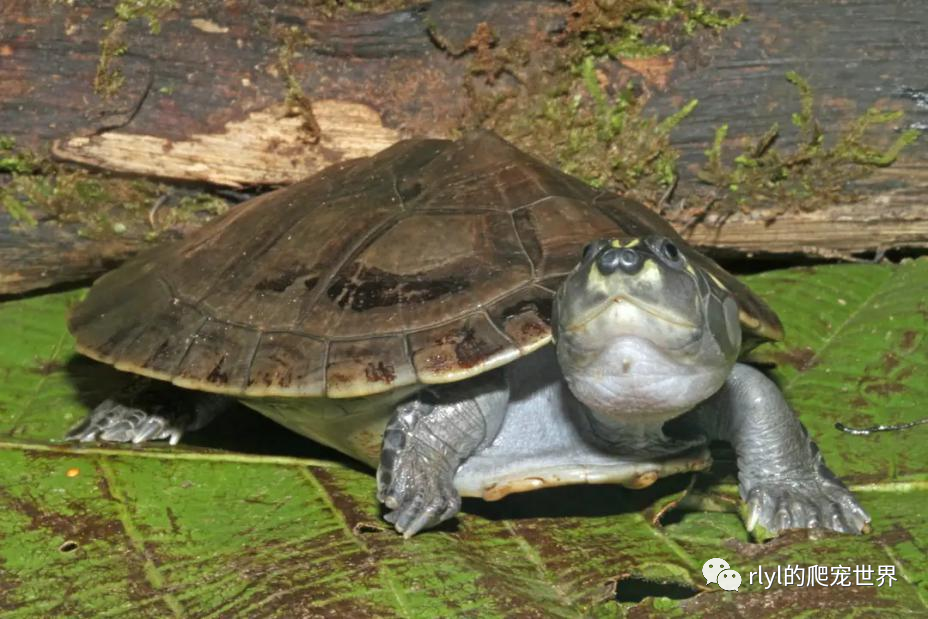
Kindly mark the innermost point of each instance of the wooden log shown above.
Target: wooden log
(893, 215)
(42, 250)
(222, 96)
(240, 94)
(855, 54)
(207, 92)
(45, 256)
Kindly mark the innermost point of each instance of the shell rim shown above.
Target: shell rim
(501, 358)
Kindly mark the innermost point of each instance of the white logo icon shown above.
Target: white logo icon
(729, 580)
(712, 567)
(718, 571)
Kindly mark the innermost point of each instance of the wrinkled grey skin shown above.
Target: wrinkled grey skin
(644, 343)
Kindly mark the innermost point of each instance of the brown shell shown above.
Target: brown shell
(429, 262)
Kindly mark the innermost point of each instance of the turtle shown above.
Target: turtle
(470, 322)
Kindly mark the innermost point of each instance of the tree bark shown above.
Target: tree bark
(250, 93)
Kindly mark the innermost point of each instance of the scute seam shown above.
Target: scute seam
(350, 254)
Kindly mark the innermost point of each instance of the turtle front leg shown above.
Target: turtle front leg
(781, 472)
(425, 441)
(149, 411)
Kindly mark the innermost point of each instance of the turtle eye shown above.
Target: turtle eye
(587, 252)
(671, 253)
(592, 249)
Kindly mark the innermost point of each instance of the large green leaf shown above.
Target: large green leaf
(249, 520)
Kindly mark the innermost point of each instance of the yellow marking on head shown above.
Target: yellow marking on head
(747, 319)
(597, 281)
(690, 269)
(619, 244)
(718, 282)
(650, 272)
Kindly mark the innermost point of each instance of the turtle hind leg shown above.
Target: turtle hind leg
(427, 439)
(149, 411)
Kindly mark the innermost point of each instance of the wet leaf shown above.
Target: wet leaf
(245, 519)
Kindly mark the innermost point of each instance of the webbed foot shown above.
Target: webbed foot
(815, 498)
(414, 479)
(118, 423)
(148, 414)
(804, 504)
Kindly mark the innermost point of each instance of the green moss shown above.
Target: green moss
(150, 10)
(580, 111)
(190, 208)
(13, 161)
(624, 28)
(603, 137)
(298, 104)
(17, 211)
(108, 79)
(697, 15)
(633, 45)
(851, 148)
(636, 146)
(100, 205)
(809, 176)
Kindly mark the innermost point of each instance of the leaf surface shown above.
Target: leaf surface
(246, 519)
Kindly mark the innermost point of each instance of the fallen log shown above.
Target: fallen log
(256, 96)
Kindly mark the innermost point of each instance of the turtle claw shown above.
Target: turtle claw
(419, 493)
(118, 423)
(156, 427)
(804, 504)
(418, 498)
(421, 514)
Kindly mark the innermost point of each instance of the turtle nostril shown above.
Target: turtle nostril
(626, 260)
(608, 261)
(629, 260)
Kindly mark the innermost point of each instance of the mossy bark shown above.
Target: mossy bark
(271, 92)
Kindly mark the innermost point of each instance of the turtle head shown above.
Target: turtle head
(642, 334)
